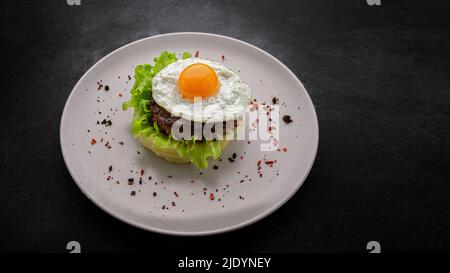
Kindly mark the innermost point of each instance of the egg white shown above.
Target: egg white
(228, 103)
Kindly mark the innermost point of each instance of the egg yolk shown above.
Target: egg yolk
(198, 80)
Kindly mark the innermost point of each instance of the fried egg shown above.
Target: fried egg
(183, 85)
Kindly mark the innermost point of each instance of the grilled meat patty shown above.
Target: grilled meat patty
(165, 120)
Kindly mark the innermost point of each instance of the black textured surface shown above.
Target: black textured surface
(379, 78)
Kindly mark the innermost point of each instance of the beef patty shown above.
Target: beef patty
(165, 120)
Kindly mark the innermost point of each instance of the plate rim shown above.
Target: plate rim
(240, 225)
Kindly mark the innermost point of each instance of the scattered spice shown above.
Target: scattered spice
(106, 87)
(196, 54)
(142, 172)
(154, 194)
(133, 193)
(121, 143)
(223, 58)
(110, 168)
(211, 196)
(130, 181)
(215, 167)
(287, 119)
(99, 85)
(275, 100)
(175, 193)
(93, 141)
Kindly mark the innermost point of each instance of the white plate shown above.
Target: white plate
(194, 213)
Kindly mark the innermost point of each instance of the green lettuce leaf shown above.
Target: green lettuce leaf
(141, 93)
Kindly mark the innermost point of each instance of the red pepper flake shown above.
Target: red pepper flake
(223, 58)
(173, 204)
(269, 162)
(99, 85)
(196, 54)
(120, 95)
(169, 176)
(142, 172)
(175, 193)
(285, 149)
(93, 141)
(211, 196)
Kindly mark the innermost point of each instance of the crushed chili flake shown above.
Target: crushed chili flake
(93, 141)
(173, 204)
(223, 58)
(175, 193)
(142, 172)
(99, 85)
(285, 149)
(197, 54)
(211, 196)
(140, 180)
(287, 119)
(120, 95)
(275, 100)
(130, 181)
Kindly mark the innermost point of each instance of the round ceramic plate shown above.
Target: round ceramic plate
(129, 182)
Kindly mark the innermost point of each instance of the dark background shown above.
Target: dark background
(378, 76)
